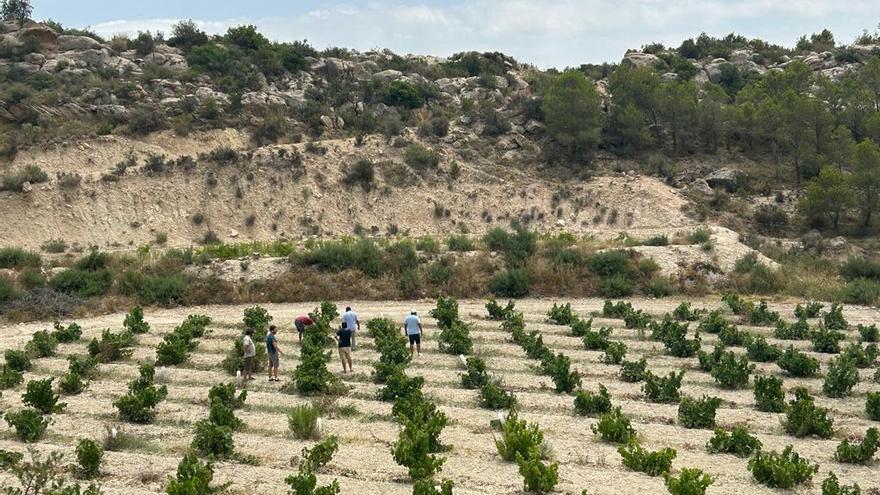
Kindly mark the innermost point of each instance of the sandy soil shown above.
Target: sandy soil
(364, 464)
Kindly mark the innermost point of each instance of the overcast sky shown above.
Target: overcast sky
(547, 33)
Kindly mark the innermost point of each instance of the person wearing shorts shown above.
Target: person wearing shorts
(272, 351)
(412, 326)
(301, 322)
(343, 336)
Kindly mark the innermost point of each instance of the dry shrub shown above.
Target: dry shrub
(547, 279)
(211, 290)
(471, 276)
(307, 284)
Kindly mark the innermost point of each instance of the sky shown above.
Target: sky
(546, 33)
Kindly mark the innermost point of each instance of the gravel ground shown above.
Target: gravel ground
(364, 464)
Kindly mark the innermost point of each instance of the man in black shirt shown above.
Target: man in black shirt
(343, 336)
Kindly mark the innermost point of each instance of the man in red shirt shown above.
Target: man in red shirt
(301, 322)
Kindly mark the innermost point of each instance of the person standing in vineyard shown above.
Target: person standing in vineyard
(272, 350)
(350, 318)
(343, 337)
(412, 326)
(249, 353)
(301, 322)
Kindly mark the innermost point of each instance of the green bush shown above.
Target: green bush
(761, 315)
(14, 180)
(769, 396)
(834, 319)
(614, 353)
(30, 425)
(222, 414)
(614, 427)
(82, 283)
(88, 456)
(738, 442)
(476, 375)
(510, 283)
(493, 396)
(592, 403)
(138, 405)
(683, 312)
(579, 328)
(362, 174)
(400, 94)
(9, 459)
(10, 378)
(826, 340)
(562, 314)
(421, 158)
(42, 344)
(17, 360)
(17, 258)
(596, 340)
(809, 310)
(213, 440)
(841, 377)
(804, 418)
(257, 319)
(784, 470)
(609, 263)
(456, 338)
(799, 330)
(537, 476)
(412, 451)
(734, 337)
(638, 459)
(663, 389)
(861, 291)
(398, 384)
(860, 267)
(618, 310)
(616, 286)
(112, 346)
(336, 256)
(797, 363)
(698, 413)
(758, 349)
(498, 313)
(40, 395)
(731, 372)
(193, 477)
(66, 335)
(71, 384)
(460, 243)
(519, 438)
(861, 357)
(831, 486)
(869, 333)
(303, 422)
(83, 366)
(558, 368)
(859, 453)
(633, 371)
(689, 482)
(872, 405)
(134, 321)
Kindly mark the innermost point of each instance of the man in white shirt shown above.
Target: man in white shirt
(350, 318)
(249, 353)
(412, 326)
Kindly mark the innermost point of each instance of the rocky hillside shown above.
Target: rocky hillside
(123, 143)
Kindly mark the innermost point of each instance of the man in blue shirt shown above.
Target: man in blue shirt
(272, 350)
(412, 326)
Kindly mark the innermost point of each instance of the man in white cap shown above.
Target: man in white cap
(413, 328)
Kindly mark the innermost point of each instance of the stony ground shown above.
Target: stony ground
(364, 464)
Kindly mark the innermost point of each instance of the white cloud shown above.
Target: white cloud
(545, 32)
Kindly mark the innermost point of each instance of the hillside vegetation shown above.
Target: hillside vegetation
(218, 168)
